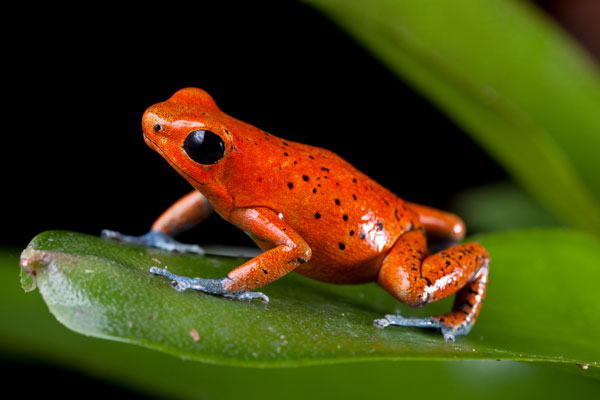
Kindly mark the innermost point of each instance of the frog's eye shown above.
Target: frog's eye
(204, 147)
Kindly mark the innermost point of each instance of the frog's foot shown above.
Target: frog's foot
(212, 286)
(449, 332)
(154, 239)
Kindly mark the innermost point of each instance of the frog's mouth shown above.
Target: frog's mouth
(156, 148)
(151, 144)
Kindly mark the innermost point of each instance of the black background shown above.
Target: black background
(75, 157)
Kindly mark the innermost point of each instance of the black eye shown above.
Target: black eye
(157, 127)
(204, 147)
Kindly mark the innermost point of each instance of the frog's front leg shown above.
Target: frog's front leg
(287, 250)
(415, 279)
(213, 286)
(184, 214)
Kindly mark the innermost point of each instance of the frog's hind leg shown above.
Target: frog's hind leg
(416, 279)
(438, 224)
(443, 229)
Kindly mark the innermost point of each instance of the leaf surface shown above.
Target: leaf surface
(538, 306)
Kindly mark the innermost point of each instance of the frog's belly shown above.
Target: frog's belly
(342, 273)
(344, 253)
(356, 260)
(328, 266)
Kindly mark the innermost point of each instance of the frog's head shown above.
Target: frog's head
(191, 133)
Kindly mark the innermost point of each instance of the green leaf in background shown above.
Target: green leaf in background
(500, 206)
(509, 76)
(538, 306)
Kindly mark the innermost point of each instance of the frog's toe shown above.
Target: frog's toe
(381, 323)
(449, 336)
(182, 283)
(147, 239)
(154, 239)
(248, 296)
(449, 332)
(177, 247)
(399, 320)
(211, 286)
(118, 236)
(164, 242)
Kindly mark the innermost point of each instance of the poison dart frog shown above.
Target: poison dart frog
(310, 211)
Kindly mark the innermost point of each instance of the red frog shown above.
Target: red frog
(310, 211)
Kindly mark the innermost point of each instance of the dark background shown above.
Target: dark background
(73, 155)
(78, 158)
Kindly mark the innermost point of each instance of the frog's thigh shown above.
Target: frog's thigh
(416, 280)
(439, 225)
(400, 273)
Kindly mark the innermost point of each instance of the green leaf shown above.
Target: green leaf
(28, 333)
(28, 282)
(538, 307)
(511, 78)
(500, 206)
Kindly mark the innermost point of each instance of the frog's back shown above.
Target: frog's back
(349, 220)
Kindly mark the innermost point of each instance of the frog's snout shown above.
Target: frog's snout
(150, 142)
